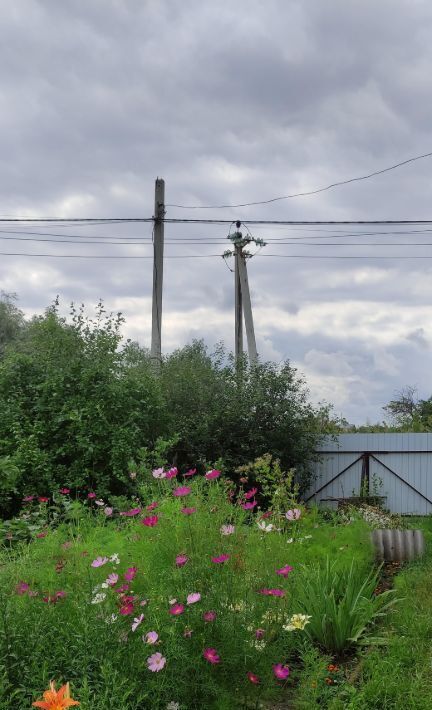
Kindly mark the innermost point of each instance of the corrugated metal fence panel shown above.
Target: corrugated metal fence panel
(409, 456)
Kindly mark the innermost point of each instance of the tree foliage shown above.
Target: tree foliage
(77, 404)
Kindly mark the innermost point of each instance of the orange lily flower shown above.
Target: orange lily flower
(56, 699)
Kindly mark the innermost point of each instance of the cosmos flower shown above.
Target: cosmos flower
(211, 475)
(181, 560)
(191, 472)
(91, 496)
(293, 514)
(220, 559)
(181, 491)
(151, 637)
(250, 505)
(108, 511)
(64, 491)
(98, 598)
(285, 570)
(188, 511)
(131, 513)
(227, 529)
(156, 662)
(43, 499)
(209, 616)
(280, 671)
(130, 574)
(193, 598)
(150, 521)
(211, 655)
(253, 678)
(137, 621)
(158, 473)
(265, 527)
(176, 609)
(272, 592)
(250, 494)
(172, 473)
(100, 561)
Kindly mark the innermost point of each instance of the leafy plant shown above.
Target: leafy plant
(341, 602)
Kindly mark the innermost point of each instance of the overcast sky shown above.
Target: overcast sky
(230, 102)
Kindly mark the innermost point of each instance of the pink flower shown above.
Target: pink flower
(209, 615)
(152, 506)
(91, 495)
(22, 588)
(131, 513)
(280, 671)
(253, 678)
(42, 534)
(99, 561)
(112, 579)
(181, 560)
(172, 473)
(227, 529)
(272, 592)
(251, 493)
(293, 514)
(60, 594)
(267, 515)
(259, 633)
(150, 521)
(65, 491)
(123, 588)
(176, 609)
(156, 662)
(158, 473)
(211, 475)
(181, 491)
(100, 503)
(193, 598)
(28, 499)
(191, 472)
(136, 622)
(43, 499)
(250, 505)
(211, 655)
(127, 608)
(221, 559)
(285, 570)
(130, 573)
(108, 511)
(188, 511)
(151, 637)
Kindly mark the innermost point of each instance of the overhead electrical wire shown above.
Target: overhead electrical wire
(305, 194)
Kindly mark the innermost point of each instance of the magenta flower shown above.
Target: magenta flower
(188, 511)
(43, 499)
(293, 514)
(156, 662)
(172, 473)
(91, 495)
(211, 475)
(152, 506)
(181, 491)
(209, 616)
(176, 609)
(131, 513)
(272, 592)
(150, 521)
(151, 637)
(251, 493)
(28, 499)
(181, 560)
(280, 671)
(259, 633)
(250, 505)
(123, 588)
(136, 622)
(22, 588)
(108, 511)
(221, 559)
(191, 472)
(130, 574)
(211, 655)
(126, 608)
(64, 491)
(99, 561)
(285, 570)
(193, 598)
(253, 678)
(60, 594)
(112, 579)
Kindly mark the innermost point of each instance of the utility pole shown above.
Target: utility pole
(238, 306)
(158, 249)
(242, 294)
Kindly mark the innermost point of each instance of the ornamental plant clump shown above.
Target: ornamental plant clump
(163, 613)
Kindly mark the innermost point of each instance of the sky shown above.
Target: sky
(230, 103)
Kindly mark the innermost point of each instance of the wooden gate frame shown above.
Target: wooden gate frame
(365, 472)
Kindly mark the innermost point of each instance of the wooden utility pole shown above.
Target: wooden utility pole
(250, 332)
(238, 304)
(158, 249)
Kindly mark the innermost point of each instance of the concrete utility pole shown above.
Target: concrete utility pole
(158, 249)
(238, 306)
(242, 294)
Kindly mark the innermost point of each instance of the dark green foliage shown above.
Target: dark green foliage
(11, 321)
(77, 405)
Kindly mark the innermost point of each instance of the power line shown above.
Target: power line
(304, 194)
(299, 223)
(109, 256)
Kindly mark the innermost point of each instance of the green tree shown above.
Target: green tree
(11, 321)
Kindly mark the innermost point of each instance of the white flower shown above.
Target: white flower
(290, 540)
(115, 558)
(111, 619)
(297, 621)
(172, 706)
(99, 502)
(98, 598)
(227, 529)
(293, 514)
(265, 528)
(137, 622)
(158, 473)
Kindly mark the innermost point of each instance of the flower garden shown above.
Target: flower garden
(192, 598)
